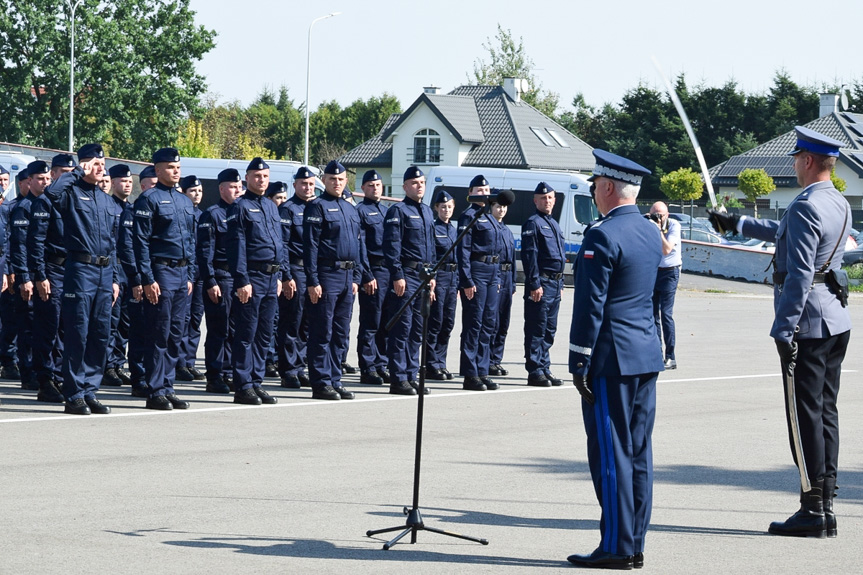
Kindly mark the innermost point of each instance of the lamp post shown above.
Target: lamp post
(308, 79)
(72, 8)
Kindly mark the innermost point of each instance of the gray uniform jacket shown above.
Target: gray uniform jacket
(815, 221)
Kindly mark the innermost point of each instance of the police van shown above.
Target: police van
(573, 206)
(14, 162)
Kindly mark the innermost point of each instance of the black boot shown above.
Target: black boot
(48, 392)
(829, 516)
(809, 520)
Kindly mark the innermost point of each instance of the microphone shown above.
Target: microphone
(502, 197)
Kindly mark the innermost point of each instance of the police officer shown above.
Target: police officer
(256, 260)
(331, 257)
(212, 256)
(371, 336)
(542, 258)
(812, 324)
(292, 331)
(90, 222)
(164, 244)
(277, 192)
(615, 360)
(12, 355)
(7, 350)
(186, 370)
(479, 282)
(60, 164)
(442, 314)
(507, 291)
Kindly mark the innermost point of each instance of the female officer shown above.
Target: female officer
(507, 291)
(442, 318)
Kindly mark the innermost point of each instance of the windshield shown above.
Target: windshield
(585, 210)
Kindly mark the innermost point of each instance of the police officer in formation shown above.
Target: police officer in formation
(211, 251)
(8, 348)
(186, 370)
(479, 281)
(293, 329)
(331, 257)
(812, 324)
(442, 314)
(542, 258)
(371, 336)
(507, 291)
(408, 247)
(256, 260)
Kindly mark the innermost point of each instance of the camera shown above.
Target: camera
(654, 218)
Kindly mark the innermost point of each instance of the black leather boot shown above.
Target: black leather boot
(829, 516)
(809, 520)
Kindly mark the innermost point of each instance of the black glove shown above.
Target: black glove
(723, 222)
(584, 388)
(787, 351)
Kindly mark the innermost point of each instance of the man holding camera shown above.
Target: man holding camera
(667, 278)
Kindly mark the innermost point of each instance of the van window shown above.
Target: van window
(585, 209)
(518, 212)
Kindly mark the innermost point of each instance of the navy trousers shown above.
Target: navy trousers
(8, 329)
(253, 330)
(192, 335)
(371, 335)
(165, 325)
(405, 338)
(293, 328)
(119, 329)
(442, 318)
(48, 338)
(479, 319)
(504, 312)
(220, 329)
(22, 315)
(333, 307)
(663, 306)
(137, 340)
(540, 326)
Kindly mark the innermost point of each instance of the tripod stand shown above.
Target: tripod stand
(414, 522)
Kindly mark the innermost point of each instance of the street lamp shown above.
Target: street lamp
(72, 8)
(308, 78)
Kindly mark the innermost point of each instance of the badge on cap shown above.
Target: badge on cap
(616, 167)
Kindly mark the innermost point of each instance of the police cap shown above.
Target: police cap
(616, 167)
(63, 161)
(257, 164)
(88, 151)
(119, 171)
(478, 181)
(815, 143)
(303, 174)
(165, 155)
(542, 188)
(371, 176)
(37, 167)
(334, 168)
(3, 170)
(147, 172)
(189, 182)
(412, 173)
(22, 175)
(229, 175)
(276, 188)
(442, 196)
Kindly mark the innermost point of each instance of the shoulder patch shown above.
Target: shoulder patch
(143, 213)
(526, 232)
(314, 219)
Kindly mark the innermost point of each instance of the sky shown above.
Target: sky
(601, 49)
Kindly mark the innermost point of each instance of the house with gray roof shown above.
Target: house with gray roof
(773, 157)
(472, 126)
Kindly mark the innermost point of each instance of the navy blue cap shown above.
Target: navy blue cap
(119, 171)
(303, 174)
(371, 176)
(3, 170)
(257, 164)
(813, 142)
(412, 173)
(334, 167)
(347, 193)
(22, 175)
(88, 151)
(165, 155)
(478, 181)
(147, 172)
(276, 188)
(63, 161)
(542, 188)
(37, 167)
(616, 167)
(442, 196)
(229, 175)
(189, 182)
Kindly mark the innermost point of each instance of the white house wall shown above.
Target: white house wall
(403, 139)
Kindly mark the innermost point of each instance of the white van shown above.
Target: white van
(14, 162)
(573, 208)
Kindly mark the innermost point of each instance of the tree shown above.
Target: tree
(682, 185)
(193, 142)
(754, 184)
(135, 80)
(838, 182)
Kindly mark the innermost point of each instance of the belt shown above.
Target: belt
(449, 268)
(376, 262)
(101, 261)
(779, 278)
(221, 266)
(56, 259)
(266, 267)
(669, 268)
(340, 264)
(485, 259)
(171, 263)
(556, 276)
(505, 267)
(411, 264)
(296, 261)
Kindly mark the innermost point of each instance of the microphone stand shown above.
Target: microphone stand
(414, 522)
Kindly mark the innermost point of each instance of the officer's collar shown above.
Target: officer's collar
(250, 195)
(163, 187)
(370, 202)
(329, 197)
(223, 203)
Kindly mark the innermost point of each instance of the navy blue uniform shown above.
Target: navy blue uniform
(442, 315)
(408, 246)
(8, 349)
(164, 244)
(292, 331)
(613, 343)
(19, 222)
(371, 336)
(331, 257)
(126, 273)
(90, 222)
(542, 259)
(256, 257)
(478, 266)
(132, 310)
(194, 315)
(212, 254)
(507, 288)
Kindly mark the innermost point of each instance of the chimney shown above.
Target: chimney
(431, 90)
(514, 88)
(829, 104)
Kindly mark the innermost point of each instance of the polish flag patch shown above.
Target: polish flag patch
(588, 254)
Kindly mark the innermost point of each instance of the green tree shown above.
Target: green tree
(193, 142)
(683, 185)
(838, 182)
(135, 80)
(754, 184)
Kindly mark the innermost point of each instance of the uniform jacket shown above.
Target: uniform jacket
(164, 228)
(19, 222)
(125, 247)
(372, 226)
(331, 230)
(408, 235)
(212, 242)
(542, 249)
(45, 235)
(483, 239)
(507, 254)
(254, 235)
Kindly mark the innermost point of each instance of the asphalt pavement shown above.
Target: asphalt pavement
(293, 488)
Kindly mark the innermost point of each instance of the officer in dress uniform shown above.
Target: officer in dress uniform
(542, 258)
(212, 256)
(164, 244)
(90, 222)
(507, 291)
(615, 359)
(331, 256)
(371, 336)
(442, 315)
(293, 330)
(13, 354)
(479, 282)
(257, 262)
(812, 324)
(408, 247)
(186, 370)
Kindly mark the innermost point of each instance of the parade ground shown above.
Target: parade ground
(293, 487)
